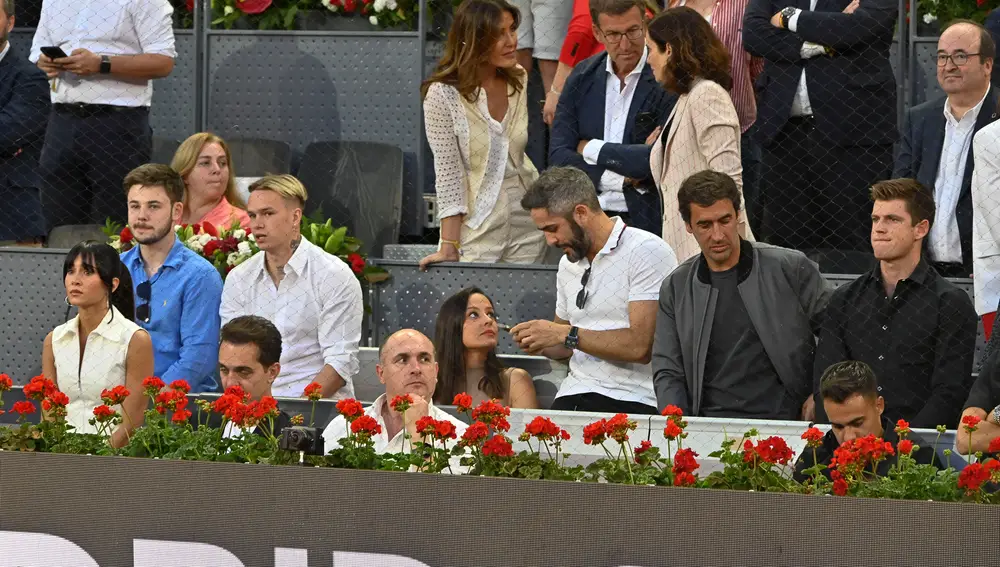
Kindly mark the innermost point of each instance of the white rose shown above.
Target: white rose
(177, 227)
(116, 243)
(243, 248)
(228, 10)
(239, 234)
(232, 259)
(391, 4)
(252, 238)
(373, 20)
(194, 243)
(929, 18)
(379, 5)
(204, 238)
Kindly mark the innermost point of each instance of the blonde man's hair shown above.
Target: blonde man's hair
(186, 157)
(288, 186)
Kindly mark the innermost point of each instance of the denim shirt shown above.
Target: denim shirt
(185, 294)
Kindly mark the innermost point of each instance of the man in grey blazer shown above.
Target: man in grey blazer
(736, 326)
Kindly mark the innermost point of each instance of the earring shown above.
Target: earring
(66, 299)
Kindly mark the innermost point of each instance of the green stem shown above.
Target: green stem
(542, 442)
(933, 455)
(628, 460)
(312, 414)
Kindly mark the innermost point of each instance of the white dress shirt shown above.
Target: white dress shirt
(945, 242)
(105, 27)
(630, 267)
(617, 101)
(6, 48)
(800, 104)
(337, 430)
(317, 307)
(986, 219)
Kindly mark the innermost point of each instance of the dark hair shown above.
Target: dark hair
(560, 189)
(257, 331)
(697, 51)
(450, 348)
(157, 175)
(987, 46)
(473, 34)
(105, 260)
(704, 189)
(615, 8)
(845, 379)
(919, 199)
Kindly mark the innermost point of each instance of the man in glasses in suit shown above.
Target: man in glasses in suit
(606, 293)
(737, 324)
(177, 292)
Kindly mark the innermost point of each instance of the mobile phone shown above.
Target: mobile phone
(54, 52)
(645, 123)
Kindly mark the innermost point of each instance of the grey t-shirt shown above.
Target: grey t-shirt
(740, 380)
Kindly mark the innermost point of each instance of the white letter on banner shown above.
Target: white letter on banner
(157, 553)
(351, 559)
(291, 557)
(29, 549)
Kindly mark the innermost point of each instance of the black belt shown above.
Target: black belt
(84, 109)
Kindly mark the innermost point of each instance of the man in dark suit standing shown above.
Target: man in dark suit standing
(992, 23)
(826, 116)
(24, 113)
(935, 145)
(608, 107)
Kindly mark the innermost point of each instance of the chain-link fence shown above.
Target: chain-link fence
(801, 110)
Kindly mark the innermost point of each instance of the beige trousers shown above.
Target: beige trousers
(508, 235)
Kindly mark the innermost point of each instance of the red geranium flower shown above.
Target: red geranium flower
(152, 386)
(39, 388)
(672, 430)
(642, 448)
(125, 236)
(994, 445)
(172, 400)
(463, 402)
(181, 416)
(902, 428)
(180, 386)
(104, 414)
(314, 392)
(772, 450)
(498, 446)
(5, 383)
(400, 404)
(970, 423)
(684, 479)
(840, 487)
(973, 476)
(905, 447)
(56, 400)
(813, 436)
(672, 411)
(684, 461)
(444, 429)
(350, 408)
(542, 428)
(253, 6)
(493, 414)
(23, 407)
(365, 426)
(115, 396)
(356, 262)
(475, 434)
(595, 433)
(619, 426)
(266, 407)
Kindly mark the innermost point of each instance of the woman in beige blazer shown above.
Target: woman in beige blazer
(476, 118)
(703, 131)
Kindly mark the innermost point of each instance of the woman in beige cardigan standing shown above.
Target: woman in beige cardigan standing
(476, 117)
(703, 131)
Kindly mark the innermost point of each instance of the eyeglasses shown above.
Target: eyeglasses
(958, 59)
(581, 298)
(143, 290)
(633, 34)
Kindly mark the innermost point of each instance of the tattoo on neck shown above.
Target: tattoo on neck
(295, 243)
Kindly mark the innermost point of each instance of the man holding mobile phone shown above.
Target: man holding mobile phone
(101, 57)
(609, 106)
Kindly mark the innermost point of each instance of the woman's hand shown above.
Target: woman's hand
(549, 110)
(446, 253)
(651, 139)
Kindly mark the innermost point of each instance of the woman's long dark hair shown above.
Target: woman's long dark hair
(450, 350)
(105, 261)
(697, 51)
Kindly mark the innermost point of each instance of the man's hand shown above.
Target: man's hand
(580, 146)
(651, 138)
(852, 7)
(417, 410)
(535, 336)
(51, 69)
(776, 20)
(809, 409)
(81, 62)
(549, 110)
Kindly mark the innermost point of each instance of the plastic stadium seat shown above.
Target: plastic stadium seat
(257, 157)
(68, 236)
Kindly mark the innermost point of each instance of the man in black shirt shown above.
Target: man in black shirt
(850, 397)
(913, 327)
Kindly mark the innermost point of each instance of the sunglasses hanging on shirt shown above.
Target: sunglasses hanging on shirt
(143, 291)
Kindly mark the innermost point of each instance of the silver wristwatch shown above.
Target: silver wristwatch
(995, 414)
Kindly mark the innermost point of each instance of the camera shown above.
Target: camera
(308, 440)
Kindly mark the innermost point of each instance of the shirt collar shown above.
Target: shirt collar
(296, 264)
(638, 67)
(921, 274)
(972, 114)
(615, 238)
(104, 329)
(6, 48)
(173, 260)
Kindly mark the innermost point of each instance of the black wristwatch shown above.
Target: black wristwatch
(105, 65)
(572, 339)
(786, 16)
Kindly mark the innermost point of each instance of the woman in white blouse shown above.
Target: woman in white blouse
(476, 116)
(101, 347)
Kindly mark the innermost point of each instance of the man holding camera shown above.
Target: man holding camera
(101, 57)
(406, 366)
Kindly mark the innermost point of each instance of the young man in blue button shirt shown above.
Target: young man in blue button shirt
(177, 292)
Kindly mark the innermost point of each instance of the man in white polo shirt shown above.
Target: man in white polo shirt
(607, 290)
(101, 94)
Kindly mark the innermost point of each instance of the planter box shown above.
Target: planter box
(183, 513)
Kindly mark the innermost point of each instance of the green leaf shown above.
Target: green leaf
(333, 243)
(290, 17)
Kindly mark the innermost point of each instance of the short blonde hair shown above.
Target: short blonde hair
(186, 157)
(288, 186)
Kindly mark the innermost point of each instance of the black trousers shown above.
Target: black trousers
(88, 151)
(592, 401)
(816, 195)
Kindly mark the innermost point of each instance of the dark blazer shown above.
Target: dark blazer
(992, 23)
(580, 116)
(852, 93)
(919, 154)
(24, 114)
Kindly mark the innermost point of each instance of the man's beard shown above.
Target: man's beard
(579, 245)
(158, 235)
